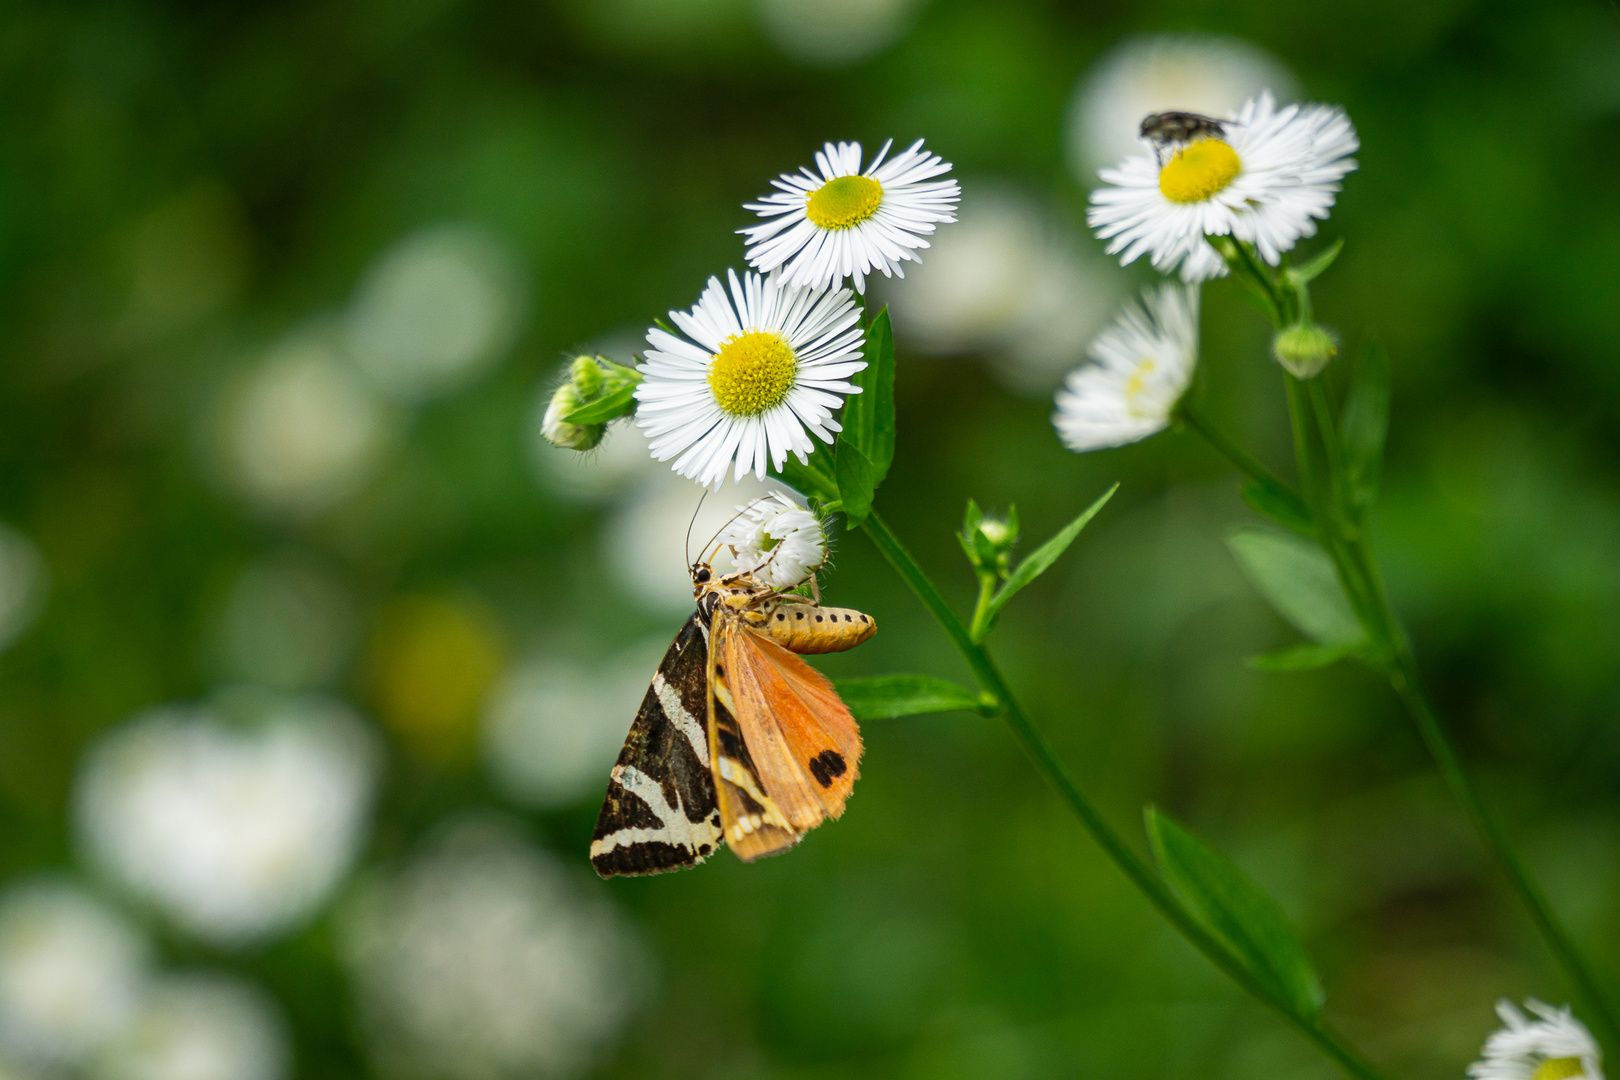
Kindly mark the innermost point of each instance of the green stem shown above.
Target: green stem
(1359, 572)
(1133, 866)
(1246, 462)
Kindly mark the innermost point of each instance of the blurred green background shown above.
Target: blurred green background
(282, 290)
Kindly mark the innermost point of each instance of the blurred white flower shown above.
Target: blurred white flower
(1267, 181)
(1190, 73)
(1554, 1046)
(288, 624)
(836, 221)
(776, 539)
(436, 311)
(199, 1027)
(23, 584)
(554, 727)
(833, 32)
(71, 972)
(644, 545)
(484, 959)
(303, 430)
(1007, 280)
(237, 833)
(1140, 366)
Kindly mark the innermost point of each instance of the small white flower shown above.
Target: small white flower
(776, 540)
(848, 223)
(769, 362)
(1141, 367)
(1268, 181)
(1554, 1047)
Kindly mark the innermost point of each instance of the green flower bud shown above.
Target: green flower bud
(586, 375)
(566, 435)
(1304, 349)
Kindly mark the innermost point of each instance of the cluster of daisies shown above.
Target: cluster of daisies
(763, 361)
(1264, 177)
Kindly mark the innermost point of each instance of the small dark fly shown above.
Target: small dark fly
(1164, 129)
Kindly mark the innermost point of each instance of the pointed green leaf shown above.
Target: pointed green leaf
(1230, 905)
(1305, 657)
(857, 481)
(868, 417)
(1366, 425)
(1299, 581)
(1041, 559)
(1280, 505)
(884, 697)
(610, 406)
(1313, 268)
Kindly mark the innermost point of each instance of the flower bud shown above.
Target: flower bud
(1304, 349)
(989, 541)
(586, 375)
(569, 436)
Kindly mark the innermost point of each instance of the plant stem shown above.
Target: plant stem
(1133, 866)
(1246, 462)
(1347, 544)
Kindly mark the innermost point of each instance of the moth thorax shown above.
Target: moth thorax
(806, 628)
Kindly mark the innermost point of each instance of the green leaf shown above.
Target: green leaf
(1366, 425)
(810, 479)
(886, 696)
(1305, 657)
(857, 481)
(868, 417)
(1312, 269)
(610, 406)
(1232, 907)
(1042, 558)
(1280, 505)
(1299, 581)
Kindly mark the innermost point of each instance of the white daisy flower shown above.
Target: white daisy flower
(768, 363)
(1141, 365)
(1267, 181)
(776, 540)
(845, 222)
(1554, 1047)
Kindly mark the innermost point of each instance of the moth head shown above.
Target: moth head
(701, 573)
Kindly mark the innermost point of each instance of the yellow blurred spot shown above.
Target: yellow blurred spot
(1558, 1069)
(1199, 171)
(432, 660)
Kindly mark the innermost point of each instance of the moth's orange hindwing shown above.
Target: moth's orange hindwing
(805, 743)
(810, 628)
(753, 823)
(661, 812)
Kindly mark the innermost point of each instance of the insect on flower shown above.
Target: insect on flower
(1166, 129)
(737, 740)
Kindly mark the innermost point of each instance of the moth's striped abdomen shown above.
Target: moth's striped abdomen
(805, 628)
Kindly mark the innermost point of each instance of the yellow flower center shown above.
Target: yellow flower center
(1137, 383)
(1558, 1069)
(752, 372)
(846, 201)
(1199, 171)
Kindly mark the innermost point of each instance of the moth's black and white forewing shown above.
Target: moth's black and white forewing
(661, 813)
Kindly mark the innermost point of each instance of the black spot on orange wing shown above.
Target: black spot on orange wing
(827, 766)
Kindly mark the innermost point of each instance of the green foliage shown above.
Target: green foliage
(1233, 908)
(1034, 565)
(1303, 657)
(883, 697)
(617, 386)
(1280, 505)
(866, 445)
(1314, 266)
(1299, 581)
(1364, 428)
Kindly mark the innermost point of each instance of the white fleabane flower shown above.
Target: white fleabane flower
(1141, 365)
(763, 365)
(1268, 181)
(777, 540)
(841, 222)
(1555, 1046)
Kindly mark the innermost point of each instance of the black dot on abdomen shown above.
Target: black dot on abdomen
(827, 766)
(818, 618)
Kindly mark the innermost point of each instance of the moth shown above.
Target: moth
(737, 740)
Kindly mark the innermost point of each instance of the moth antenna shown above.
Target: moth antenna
(689, 524)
